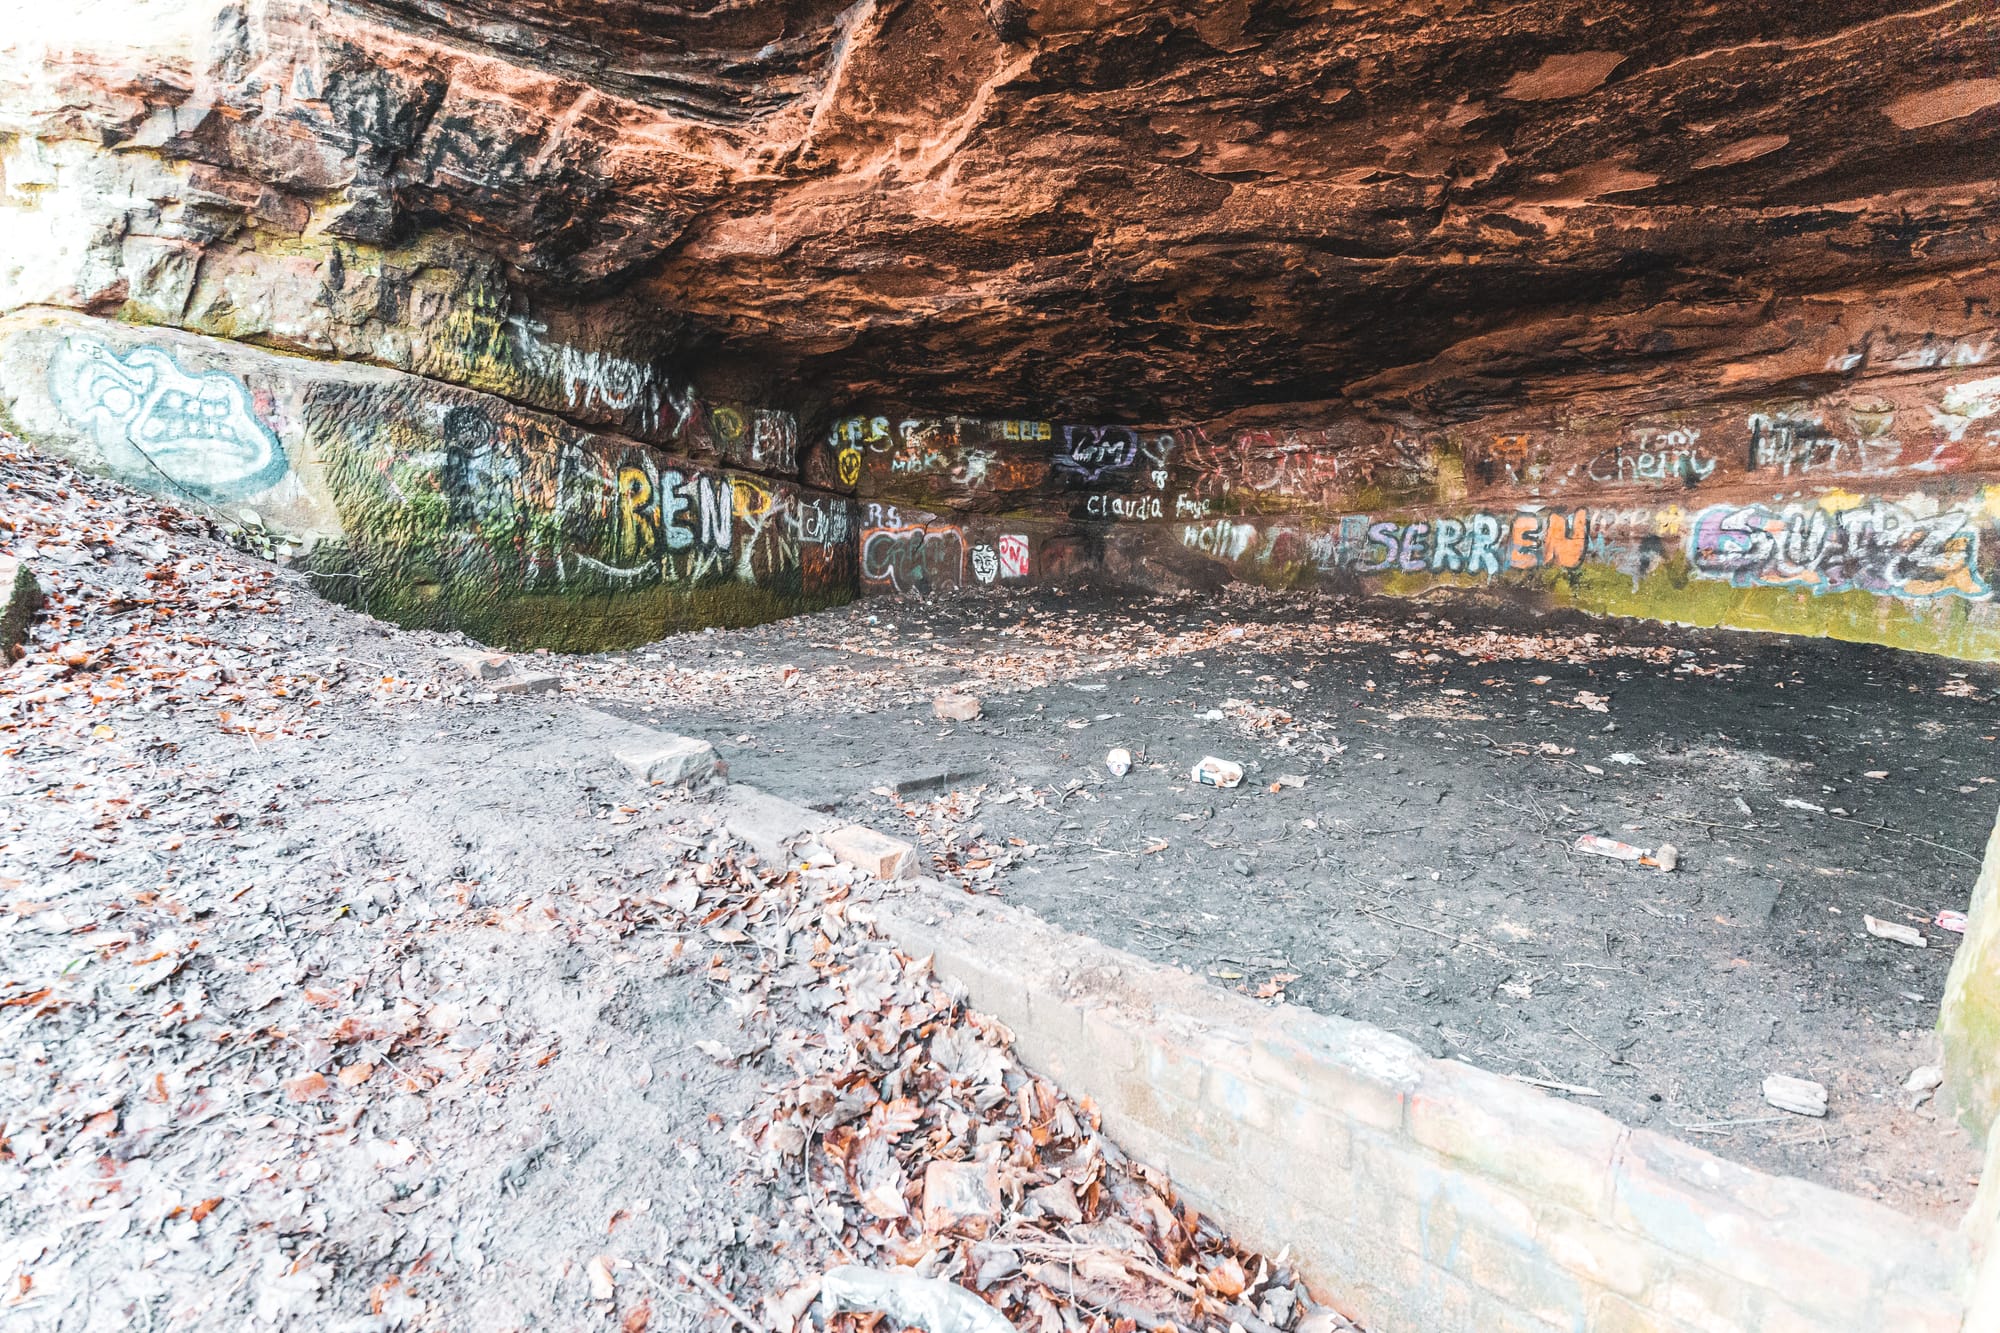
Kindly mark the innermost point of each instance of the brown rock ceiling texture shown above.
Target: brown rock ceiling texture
(1150, 211)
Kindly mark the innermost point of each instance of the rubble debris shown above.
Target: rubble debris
(659, 759)
(1895, 930)
(956, 707)
(1665, 858)
(1798, 1095)
(1924, 1078)
(962, 1197)
(1213, 772)
(1951, 921)
(872, 853)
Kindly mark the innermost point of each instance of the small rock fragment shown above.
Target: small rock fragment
(1895, 930)
(1924, 1078)
(1119, 762)
(955, 707)
(1800, 1096)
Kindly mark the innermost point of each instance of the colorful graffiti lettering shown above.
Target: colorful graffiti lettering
(1482, 543)
(154, 420)
(496, 498)
(1874, 546)
(913, 559)
(1013, 552)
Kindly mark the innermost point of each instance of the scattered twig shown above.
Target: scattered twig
(714, 1293)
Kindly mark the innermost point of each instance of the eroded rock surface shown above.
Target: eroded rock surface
(1551, 292)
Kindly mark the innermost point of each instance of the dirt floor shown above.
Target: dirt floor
(1402, 849)
(333, 998)
(341, 990)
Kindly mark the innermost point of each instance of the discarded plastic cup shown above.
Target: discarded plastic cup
(1119, 761)
(1213, 772)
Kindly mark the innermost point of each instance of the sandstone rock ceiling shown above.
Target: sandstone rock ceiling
(1150, 211)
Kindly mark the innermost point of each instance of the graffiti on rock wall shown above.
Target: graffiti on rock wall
(1653, 457)
(1870, 546)
(1884, 349)
(1093, 453)
(152, 419)
(487, 496)
(1296, 465)
(950, 453)
(593, 381)
(1481, 543)
(589, 383)
(1964, 404)
(1013, 553)
(913, 559)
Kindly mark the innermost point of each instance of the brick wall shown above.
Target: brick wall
(1421, 1195)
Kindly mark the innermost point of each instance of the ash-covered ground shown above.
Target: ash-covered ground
(1402, 849)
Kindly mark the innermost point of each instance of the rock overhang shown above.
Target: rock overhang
(1241, 278)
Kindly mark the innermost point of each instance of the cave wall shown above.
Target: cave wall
(1687, 315)
(1864, 511)
(210, 288)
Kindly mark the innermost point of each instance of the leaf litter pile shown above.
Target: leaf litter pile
(329, 1001)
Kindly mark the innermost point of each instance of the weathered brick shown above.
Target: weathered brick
(1827, 1253)
(1521, 1277)
(1360, 1073)
(1602, 1255)
(870, 852)
(1611, 1313)
(1301, 1126)
(1425, 1205)
(1515, 1134)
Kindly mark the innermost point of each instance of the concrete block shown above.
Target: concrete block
(656, 757)
(873, 853)
(933, 783)
(20, 598)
